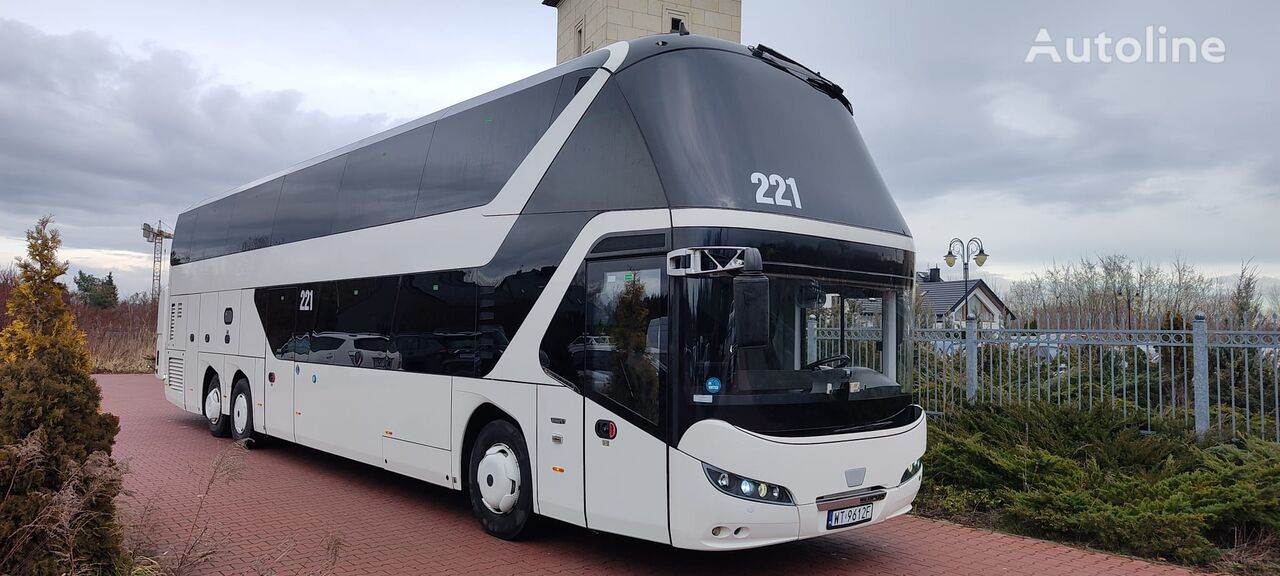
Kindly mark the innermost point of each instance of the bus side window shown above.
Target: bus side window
(623, 349)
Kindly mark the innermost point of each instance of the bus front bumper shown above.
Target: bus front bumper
(704, 518)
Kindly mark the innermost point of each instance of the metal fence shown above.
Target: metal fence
(1208, 375)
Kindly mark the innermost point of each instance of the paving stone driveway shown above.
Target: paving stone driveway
(289, 499)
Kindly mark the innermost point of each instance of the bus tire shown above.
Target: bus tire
(241, 420)
(501, 486)
(219, 423)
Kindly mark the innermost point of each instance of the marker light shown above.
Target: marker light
(746, 488)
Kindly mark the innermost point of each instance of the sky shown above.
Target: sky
(115, 113)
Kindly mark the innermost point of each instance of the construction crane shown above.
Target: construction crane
(156, 235)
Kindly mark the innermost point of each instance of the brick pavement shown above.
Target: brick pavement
(288, 499)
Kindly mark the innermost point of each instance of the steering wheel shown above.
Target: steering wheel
(843, 362)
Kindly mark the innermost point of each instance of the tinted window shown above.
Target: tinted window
(623, 352)
(350, 311)
(365, 306)
(604, 165)
(380, 184)
(210, 236)
(564, 334)
(435, 324)
(182, 233)
(252, 214)
(276, 307)
(726, 129)
(512, 281)
(475, 152)
(307, 202)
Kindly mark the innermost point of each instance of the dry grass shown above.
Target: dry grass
(120, 339)
(66, 516)
(1254, 553)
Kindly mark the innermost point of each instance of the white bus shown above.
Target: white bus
(588, 296)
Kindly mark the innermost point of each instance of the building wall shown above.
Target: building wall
(603, 22)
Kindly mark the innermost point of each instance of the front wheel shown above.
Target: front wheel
(242, 412)
(501, 487)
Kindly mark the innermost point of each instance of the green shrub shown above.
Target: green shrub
(1102, 479)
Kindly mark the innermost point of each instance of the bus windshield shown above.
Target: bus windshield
(837, 360)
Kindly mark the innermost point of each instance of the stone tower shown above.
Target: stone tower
(585, 25)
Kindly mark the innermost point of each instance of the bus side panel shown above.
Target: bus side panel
(417, 461)
(414, 408)
(338, 409)
(195, 383)
(560, 475)
(253, 340)
(350, 411)
(174, 336)
(518, 400)
(626, 478)
(252, 369)
(227, 334)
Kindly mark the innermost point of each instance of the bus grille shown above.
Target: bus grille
(175, 379)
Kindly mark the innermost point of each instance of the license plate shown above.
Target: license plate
(848, 516)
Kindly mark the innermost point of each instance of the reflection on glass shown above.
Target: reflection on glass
(824, 368)
(621, 354)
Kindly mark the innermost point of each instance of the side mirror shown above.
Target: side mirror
(751, 302)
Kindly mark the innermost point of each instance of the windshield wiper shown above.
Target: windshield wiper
(814, 78)
(870, 425)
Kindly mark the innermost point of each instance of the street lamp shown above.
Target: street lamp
(1129, 294)
(971, 249)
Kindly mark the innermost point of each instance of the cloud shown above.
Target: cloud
(1053, 161)
(1029, 112)
(105, 139)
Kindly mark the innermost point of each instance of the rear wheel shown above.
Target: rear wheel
(241, 421)
(219, 424)
(501, 486)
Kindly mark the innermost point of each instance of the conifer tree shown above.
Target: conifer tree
(58, 515)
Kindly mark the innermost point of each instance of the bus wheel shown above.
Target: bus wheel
(501, 486)
(219, 425)
(241, 412)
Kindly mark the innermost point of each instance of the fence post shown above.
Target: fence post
(1200, 368)
(811, 332)
(971, 358)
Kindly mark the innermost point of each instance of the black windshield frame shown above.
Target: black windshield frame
(786, 254)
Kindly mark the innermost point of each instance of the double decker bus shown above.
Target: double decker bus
(591, 295)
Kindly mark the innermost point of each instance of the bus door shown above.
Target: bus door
(624, 379)
(284, 344)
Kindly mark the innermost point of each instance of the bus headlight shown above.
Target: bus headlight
(746, 488)
(911, 471)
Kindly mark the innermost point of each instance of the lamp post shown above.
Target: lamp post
(1129, 294)
(971, 249)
